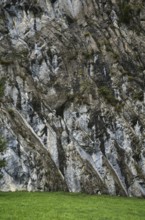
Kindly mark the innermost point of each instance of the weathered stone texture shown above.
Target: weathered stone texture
(73, 106)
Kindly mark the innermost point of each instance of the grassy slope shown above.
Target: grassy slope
(62, 206)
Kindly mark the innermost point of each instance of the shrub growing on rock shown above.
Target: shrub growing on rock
(2, 149)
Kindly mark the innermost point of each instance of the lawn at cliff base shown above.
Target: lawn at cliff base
(63, 206)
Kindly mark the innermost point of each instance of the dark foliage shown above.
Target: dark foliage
(2, 149)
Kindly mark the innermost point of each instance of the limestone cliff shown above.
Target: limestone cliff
(72, 95)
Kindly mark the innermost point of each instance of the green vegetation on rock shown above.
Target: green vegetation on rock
(2, 84)
(129, 10)
(2, 148)
(107, 93)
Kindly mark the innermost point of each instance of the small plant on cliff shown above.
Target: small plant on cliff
(2, 149)
(129, 10)
(2, 84)
(126, 12)
(107, 93)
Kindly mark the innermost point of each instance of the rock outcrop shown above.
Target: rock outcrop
(72, 95)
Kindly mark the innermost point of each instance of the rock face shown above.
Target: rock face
(72, 95)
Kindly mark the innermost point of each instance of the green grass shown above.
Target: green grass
(63, 206)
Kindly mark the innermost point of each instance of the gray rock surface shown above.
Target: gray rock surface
(72, 95)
